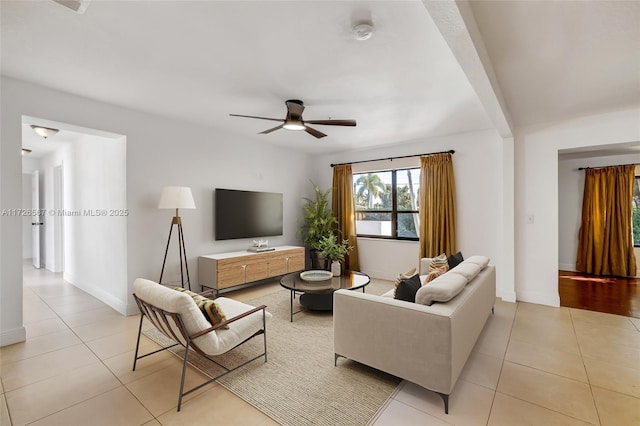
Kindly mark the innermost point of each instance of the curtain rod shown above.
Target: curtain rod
(451, 151)
(604, 167)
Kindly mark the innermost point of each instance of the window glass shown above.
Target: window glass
(387, 203)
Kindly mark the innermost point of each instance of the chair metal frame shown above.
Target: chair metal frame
(161, 320)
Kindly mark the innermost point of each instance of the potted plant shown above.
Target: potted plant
(335, 250)
(318, 222)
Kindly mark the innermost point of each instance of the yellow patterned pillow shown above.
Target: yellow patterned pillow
(438, 262)
(435, 273)
(208, 307)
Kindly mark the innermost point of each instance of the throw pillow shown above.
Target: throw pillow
(208, 307)
(438, 262)
(454, 260)
(436, 273)
(407, 288)
(411, 272)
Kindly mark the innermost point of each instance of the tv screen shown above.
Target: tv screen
(247, 214)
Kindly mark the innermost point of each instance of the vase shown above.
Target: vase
(336, 268)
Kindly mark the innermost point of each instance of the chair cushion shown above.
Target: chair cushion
(177, 302)
(442, 289)
(241, 329)
(208, 307)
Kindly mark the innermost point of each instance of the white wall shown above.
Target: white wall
(159, 152)
(570, 192)
(478, 175)
(95, 246)
(29, 165)
(536, 189)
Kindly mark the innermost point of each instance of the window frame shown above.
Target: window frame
(394, 207)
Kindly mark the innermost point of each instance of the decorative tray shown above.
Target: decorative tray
(316, 275)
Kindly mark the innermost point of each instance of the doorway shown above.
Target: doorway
(82, 178)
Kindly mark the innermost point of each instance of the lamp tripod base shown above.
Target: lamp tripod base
(184, 267)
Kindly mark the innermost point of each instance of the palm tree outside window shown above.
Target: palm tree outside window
(386, 203)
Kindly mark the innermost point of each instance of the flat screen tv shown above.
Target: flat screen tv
(247, 214)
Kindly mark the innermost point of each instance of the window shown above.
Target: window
(635, 206)
(387, 203)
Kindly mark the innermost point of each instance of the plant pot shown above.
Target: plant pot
(336, 268)
(319, 260)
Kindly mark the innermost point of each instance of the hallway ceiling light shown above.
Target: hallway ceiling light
(45, 132)
(25, 151)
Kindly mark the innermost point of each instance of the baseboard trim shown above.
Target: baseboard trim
(567, 267)
(507, 296)
(539, 298)
(103, 296)
(16, 335)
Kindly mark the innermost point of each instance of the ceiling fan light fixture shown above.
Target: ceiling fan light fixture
(293, 125)
(45, 132)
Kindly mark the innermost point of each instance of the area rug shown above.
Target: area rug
(299, 384)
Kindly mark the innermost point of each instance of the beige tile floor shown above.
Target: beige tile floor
(532, 365)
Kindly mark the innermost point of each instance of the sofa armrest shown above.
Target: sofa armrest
(404, 339)
(424, 265)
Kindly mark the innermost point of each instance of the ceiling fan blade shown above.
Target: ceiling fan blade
(314, 132)
(260, 118)
(271, 130)
(332, 122)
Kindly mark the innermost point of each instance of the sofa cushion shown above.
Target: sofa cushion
(407, 288)
(208, 307)
(438, 262)
(454, 260)
(483, 261)
(467, 270)
(442, 289)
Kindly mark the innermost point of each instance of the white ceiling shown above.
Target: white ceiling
(557, 60)
(199, 61)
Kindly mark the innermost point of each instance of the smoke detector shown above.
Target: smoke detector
(363, 31)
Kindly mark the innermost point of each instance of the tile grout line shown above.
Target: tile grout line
(543, 371)
(504, 356)
(101, 361)
(593, 397)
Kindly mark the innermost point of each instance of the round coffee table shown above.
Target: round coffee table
(318, 295)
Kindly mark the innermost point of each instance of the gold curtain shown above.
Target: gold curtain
(344, 210)
(605, 239)
(437, 206)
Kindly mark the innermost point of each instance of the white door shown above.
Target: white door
(36, 223)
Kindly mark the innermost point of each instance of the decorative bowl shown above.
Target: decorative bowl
(316, 275)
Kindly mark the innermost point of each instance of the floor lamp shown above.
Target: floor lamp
(177, 197)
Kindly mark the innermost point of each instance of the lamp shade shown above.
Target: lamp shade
(176, 197)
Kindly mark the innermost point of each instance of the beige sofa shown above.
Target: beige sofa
(426, 345)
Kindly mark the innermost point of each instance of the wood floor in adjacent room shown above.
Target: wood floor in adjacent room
(612, 295)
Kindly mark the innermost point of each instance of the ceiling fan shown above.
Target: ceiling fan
(294, 121)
